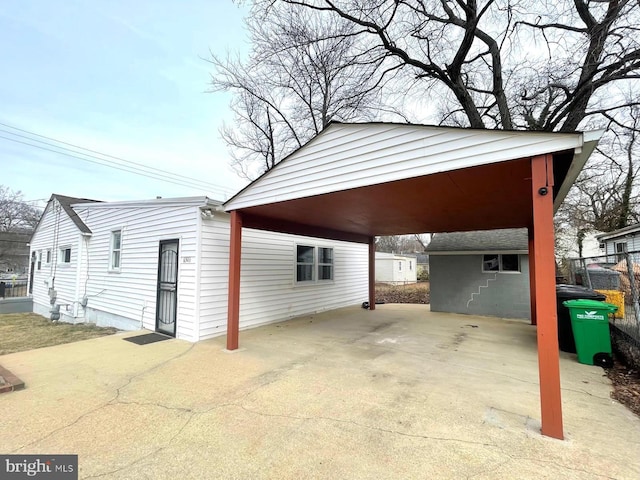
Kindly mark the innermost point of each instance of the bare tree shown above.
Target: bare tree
(303, 72)
(503, 63)
(15, 213)
(17, 221)
(403, 243)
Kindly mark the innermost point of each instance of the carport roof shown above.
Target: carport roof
(355, 181)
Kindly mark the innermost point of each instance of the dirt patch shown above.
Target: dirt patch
(626, 386)
(410, 293)
(26, 331)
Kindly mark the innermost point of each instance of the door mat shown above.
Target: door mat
(147, 338)
(9, 382)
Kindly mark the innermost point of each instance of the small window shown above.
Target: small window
(325, 263)
(510, 263)
(501, 263)
(304, 263)
(65, 255)
(313, 263)
(410, 266)
(116, 244)
(400, 266)
(48, 256)
(491, 263)
(39, 259)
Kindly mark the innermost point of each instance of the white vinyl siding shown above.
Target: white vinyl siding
(268, 291)
(132, 293)
(336, 158)
(57, 232)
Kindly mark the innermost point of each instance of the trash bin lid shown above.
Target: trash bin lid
(590, 304)
(571, 292)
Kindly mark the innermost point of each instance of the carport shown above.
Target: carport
(353, 182)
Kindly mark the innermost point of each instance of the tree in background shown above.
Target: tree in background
(17, 221)
(402, 243)
(502, 63)
(303, 72)
(15, 213)
(605, 197)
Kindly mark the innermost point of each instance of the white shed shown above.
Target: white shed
(395, 269)
(163, 265)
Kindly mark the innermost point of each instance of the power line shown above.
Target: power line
(97, 152)
(160, 177)
(121, 164)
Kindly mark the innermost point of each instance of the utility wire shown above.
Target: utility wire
(134, 170)
(122, 164)
(101, 161)
(120, 159)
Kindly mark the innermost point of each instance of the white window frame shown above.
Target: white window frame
(315, 266)
(113, 250)
(500, 265)
(48, 257)
(324, 264)
(61, 255)
(39, 261)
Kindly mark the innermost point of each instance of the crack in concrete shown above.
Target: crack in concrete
(148, 455)
(362, 425)
(105, 404)
(586, 393)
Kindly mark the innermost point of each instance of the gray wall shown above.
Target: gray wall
(455, 277)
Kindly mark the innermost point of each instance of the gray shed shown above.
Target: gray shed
(481, 273)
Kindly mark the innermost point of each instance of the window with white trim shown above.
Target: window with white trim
(64, 255)
(39, 259)
(115, 250)
(500, 263)
(48, 258)
(313, 264)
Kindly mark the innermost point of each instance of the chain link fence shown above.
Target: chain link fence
(617, 276)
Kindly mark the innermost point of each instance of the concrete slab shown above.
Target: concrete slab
(399, 392)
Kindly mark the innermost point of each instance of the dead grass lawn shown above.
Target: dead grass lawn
(26, 331)
(410, 293)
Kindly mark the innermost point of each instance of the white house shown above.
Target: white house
(163, 265)
(396, 269)
(623, 240)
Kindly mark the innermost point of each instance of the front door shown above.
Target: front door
(167, 301)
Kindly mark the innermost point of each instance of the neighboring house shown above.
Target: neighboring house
(613, 244)
(163, 265)
(395, 269)
(480, 273)
(14, 254)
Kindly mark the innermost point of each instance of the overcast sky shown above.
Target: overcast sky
(124, 78)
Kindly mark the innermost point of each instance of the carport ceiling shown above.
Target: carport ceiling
(335, 186)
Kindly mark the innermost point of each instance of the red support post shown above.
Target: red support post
(532, 277)
(372, 273)
(233, 305)
(545, 295)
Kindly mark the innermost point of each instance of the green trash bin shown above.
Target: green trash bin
(590, 325)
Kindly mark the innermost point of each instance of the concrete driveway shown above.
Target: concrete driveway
(395, 393)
